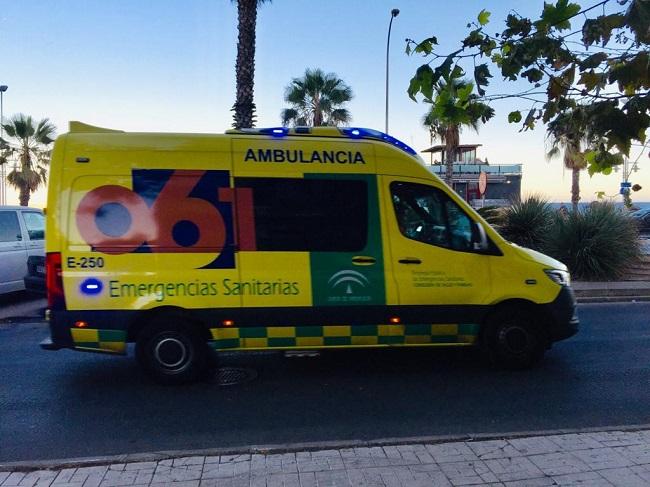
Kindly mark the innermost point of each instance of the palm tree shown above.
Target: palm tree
(454, 107)
(244, 108)
(316, 100)
(30, 151)
(568, 132)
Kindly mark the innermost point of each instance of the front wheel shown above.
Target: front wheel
(514, 339)
(171, 353)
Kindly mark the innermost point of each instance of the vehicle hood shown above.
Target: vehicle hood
(538, 257)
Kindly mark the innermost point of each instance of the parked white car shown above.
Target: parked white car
(22, 233)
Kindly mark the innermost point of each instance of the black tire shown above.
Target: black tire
(171, 352)
(513, 338)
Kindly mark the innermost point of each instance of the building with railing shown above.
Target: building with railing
(503, 180)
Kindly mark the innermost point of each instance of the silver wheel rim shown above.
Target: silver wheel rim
(179, 347)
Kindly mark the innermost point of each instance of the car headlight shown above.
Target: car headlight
(563, 278)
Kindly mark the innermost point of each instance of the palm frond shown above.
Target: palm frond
(288, 115)
(29, 150)
(316, 99)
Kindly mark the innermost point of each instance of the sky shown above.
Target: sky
(168, 66)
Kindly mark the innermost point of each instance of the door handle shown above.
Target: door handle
(410, 260)
(363, 260)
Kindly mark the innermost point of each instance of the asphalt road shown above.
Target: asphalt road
(21, 306)
(70, 404)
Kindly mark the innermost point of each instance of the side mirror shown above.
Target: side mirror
(479, 237)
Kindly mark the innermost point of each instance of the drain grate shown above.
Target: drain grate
(230, 376)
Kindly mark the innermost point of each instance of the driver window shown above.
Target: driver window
(460, 226)
(428, 215)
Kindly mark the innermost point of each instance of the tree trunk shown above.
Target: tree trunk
(318, 114)
(449, 167)
(451, 146)
(244, 107)
(575, 187)
(23, 196)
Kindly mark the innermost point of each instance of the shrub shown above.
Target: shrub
(491, 214)
(527, 222)
(598, 243)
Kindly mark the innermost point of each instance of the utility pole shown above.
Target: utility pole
(393, 13)
(3, 172)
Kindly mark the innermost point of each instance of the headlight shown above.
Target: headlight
(563, 278)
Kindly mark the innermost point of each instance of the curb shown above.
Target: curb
(58, 464)
(611, 299)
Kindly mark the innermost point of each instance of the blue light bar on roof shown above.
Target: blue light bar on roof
(361, 133)
(275, 131)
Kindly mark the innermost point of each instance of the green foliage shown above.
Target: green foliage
(602, 162)
(607, 74)
(481, 75)
(317, 99)
(514, 117)
(454, 107)
(527, 222)
(557, 16)
(29, 148)
(492, 214)
(599, 243)
(484, 17)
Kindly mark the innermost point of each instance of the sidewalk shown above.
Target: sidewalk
(603, 291)
(620, 458)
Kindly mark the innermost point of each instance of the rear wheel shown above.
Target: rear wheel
(171, 353)
(514, 339)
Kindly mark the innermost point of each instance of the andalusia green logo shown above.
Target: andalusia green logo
(353, 282)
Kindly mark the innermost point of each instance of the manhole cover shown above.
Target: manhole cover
(230, 376)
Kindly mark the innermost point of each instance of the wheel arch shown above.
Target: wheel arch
(185, 316)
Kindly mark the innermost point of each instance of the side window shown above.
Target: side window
(35, 224)
(428, 215)
(9, 227)
(460, 226)
(317, 215)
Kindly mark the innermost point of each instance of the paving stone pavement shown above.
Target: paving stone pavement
(609, 458)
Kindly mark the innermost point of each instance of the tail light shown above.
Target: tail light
(54, 280)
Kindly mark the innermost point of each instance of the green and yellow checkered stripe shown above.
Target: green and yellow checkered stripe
(112, 341)
(342, 336)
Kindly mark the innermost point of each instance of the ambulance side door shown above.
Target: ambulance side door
(432, 250)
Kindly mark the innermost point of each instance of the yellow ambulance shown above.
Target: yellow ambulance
(287, 239)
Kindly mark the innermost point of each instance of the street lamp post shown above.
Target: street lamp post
(393, 13)
(3, 183)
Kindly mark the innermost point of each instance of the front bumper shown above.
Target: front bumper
(564, 322)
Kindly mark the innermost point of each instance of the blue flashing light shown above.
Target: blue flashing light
(275, 131)
(360, 133)
(91, 286)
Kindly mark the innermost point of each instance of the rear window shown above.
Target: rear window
(35, 224)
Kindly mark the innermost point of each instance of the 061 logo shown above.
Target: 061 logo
(170, 211)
